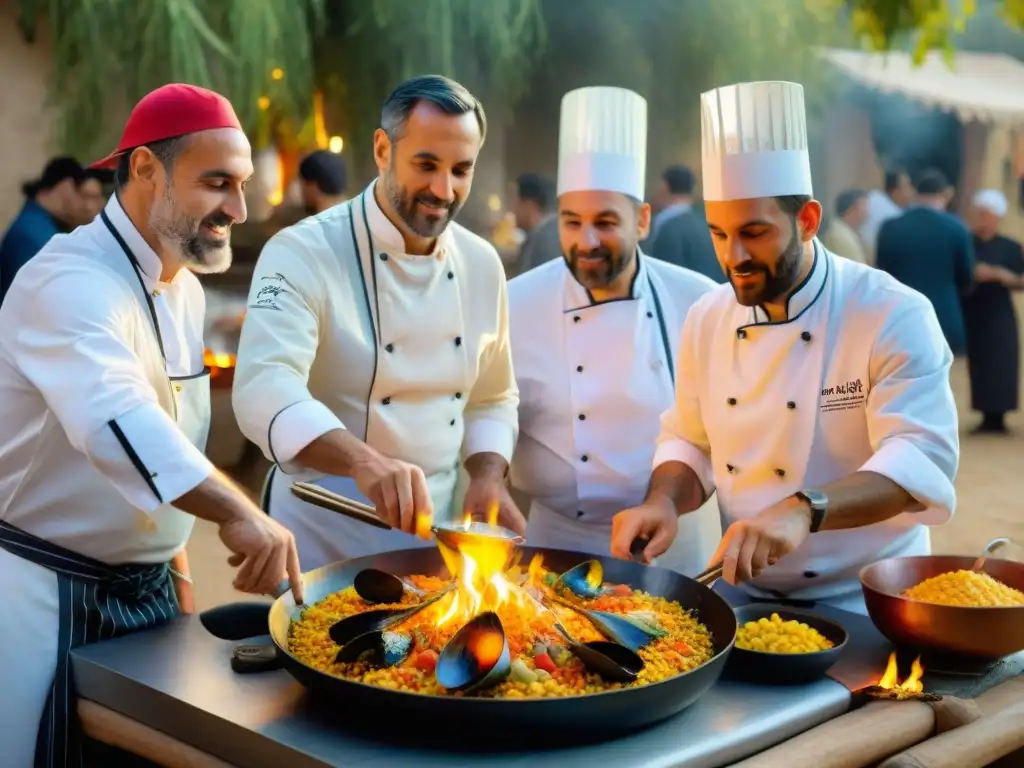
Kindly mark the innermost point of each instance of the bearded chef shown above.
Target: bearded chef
(813, 392)
(375, 353)
(595, 337)
(104, 413)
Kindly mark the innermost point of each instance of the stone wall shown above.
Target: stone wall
(26, 123)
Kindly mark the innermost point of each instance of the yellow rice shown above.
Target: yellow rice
(686, 645)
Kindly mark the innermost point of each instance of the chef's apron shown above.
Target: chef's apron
(615, 417)
(323, 537)
(98, 601)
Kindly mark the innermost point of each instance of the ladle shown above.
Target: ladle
(991, 547)
(351, 627)
(376, 586)
(476, 657)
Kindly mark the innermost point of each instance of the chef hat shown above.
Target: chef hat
(991, 200)
(754, 141)
(602, 142)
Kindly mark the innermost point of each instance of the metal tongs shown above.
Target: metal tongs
(450, 534)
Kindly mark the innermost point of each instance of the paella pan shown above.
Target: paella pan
(567, 642)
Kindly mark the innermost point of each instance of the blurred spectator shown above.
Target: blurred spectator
(842, 237)
(93, 192)
(679, 234)
(324, 178)
(52, 205)
(993, 346)
(930, 250)
(535, 208)
(882, 206)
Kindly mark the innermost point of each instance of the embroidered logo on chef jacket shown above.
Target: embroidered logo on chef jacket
(844, 396)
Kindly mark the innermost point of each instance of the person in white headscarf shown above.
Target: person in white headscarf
(993, 349)
(812, 392)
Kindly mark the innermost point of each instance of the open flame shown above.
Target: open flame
(890, 680)
(482, 570)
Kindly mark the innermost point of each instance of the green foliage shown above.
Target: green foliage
(923, 25)
(107, 54)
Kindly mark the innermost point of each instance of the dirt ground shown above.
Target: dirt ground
(990, 489)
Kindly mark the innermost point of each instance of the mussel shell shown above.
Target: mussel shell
(379, 648)
(459, 667)
(623, 630)
(344, 631)
(375, 586)
(613, 662)
(585, 580)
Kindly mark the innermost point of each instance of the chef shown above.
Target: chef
(812, 392)
(374, 353)
(595, 337)
(104, 412)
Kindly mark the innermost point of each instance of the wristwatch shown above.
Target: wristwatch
(818, 502)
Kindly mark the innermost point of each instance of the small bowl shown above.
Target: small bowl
(785, 668)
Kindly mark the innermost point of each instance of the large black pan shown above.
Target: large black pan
(609, 713)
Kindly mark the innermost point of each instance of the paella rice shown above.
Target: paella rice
(541, 664)
(965, 589)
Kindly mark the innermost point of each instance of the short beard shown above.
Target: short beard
(603, 276)
(404, 204)
(786, 273)
(182, 234)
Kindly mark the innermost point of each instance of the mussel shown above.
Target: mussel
(613, 662)
(378, 648)
(476, 657)
(351, 627)
(585, 580)
(376, 586)
(632, 632)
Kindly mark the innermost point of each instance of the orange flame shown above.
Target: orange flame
(891, 681)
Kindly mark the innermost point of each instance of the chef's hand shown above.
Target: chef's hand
(654, 520)
(487, 492)
(264, 553)
(398, 490)
(750, 546)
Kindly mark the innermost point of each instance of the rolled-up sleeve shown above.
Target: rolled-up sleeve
(682, 436)
(912, 419)
(73, 345)
(492, 412)
(279, 340)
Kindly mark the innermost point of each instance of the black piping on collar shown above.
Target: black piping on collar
(824, 259)
(632, 287)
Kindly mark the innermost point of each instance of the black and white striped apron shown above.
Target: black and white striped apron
(96, 602)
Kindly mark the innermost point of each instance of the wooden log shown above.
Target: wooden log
(119, 731)
(974, 745)
(854, 740)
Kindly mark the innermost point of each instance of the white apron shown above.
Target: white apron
(801, 392)
(56, 600)
(602, 409)
(399, 411)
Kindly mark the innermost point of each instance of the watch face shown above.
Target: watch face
(816, 498)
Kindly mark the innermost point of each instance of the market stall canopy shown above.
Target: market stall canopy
(987, 87)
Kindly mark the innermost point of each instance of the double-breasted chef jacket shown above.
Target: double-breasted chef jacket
(409, 353)
(104, 414)
(594, 378)
(856, 379)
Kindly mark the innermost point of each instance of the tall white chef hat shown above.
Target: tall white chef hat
(991, 200)
(754, 141)
(602, 141)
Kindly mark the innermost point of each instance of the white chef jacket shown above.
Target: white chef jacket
(410, 353)
(856, 379)
(85, 400)
(593, 379)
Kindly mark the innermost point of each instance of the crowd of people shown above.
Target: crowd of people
(788, 416)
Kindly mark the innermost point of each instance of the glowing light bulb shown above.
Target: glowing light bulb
(277, 73)
(263, 102)
(336, 144)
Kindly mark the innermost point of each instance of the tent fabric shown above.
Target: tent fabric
(983, 87)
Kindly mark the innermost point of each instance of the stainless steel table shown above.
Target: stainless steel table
(178, 680)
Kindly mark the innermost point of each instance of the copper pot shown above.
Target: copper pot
(980, 632)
